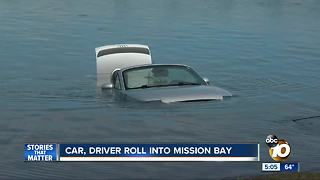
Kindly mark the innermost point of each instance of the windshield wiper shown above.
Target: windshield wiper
(184, 83)
(145, 86)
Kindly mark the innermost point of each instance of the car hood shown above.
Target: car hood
(178, 94)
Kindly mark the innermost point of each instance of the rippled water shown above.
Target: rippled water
(265, 52)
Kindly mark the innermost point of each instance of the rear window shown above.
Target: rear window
(123, 50)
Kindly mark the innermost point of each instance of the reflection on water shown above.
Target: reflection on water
(265, 52)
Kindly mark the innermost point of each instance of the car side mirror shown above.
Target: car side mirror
(206, 80)
(107, 86)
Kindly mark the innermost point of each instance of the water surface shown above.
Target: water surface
(265, 52)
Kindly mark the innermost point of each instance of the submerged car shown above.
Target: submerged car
(128, 70)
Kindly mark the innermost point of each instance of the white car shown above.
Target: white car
(128, 69)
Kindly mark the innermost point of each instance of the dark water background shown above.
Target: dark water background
(265, 52)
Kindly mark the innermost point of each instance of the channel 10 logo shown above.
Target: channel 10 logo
(279, 149)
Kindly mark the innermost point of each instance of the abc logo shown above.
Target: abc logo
(279, 149)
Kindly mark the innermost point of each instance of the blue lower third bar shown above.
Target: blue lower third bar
(40, 152)
(289, 167)
(159, 152)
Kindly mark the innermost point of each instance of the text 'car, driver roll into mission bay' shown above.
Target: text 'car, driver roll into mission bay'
(128, 69)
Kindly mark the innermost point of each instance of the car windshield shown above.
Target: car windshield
(159, 76)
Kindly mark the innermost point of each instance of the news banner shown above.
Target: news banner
(279, 151)
(141, 152)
